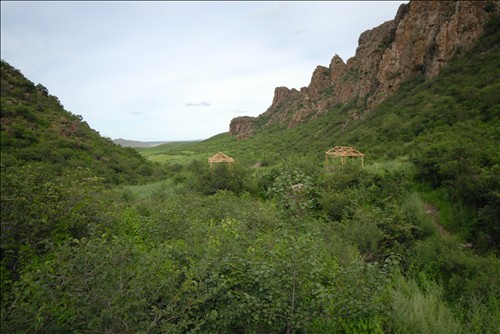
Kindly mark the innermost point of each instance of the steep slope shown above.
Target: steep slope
(423, 37)
(36, 128)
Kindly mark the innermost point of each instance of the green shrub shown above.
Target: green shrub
(362, 231)
(221, 176)
(333, 203)
(95, 285)
(415, 212)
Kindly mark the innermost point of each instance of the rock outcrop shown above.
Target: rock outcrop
(241, 127)
(422, 38)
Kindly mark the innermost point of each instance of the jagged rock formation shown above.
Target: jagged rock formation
(421, 39)
(241, 126)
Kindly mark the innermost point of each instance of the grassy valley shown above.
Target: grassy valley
(272, 243)
(447, 128)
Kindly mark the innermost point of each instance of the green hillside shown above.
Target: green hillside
(56, 172)
(35, 128)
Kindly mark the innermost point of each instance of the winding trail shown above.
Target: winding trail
(434, 213)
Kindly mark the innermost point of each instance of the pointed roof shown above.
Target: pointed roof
(220, 157)
(344, 151)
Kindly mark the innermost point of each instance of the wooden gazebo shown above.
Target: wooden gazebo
(343, 152)
(220, 157)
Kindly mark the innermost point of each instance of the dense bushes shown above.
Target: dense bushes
(468, 171)
(191, 262)
(220, 275)
(39, 211)
(281, 260)
(221, 176)
(469, 282)
(92, 284)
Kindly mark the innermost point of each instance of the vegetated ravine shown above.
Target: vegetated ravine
(97, 238)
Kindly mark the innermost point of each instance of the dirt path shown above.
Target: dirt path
(434, 213)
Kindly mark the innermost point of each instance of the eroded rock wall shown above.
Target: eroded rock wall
(422, 38)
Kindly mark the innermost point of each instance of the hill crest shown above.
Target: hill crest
(36, 129)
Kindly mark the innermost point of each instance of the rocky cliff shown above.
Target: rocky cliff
(420, 40)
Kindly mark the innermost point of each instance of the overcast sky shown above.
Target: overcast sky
(182, 70)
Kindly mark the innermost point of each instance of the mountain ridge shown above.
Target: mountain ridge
(138, 143)
(421, 39)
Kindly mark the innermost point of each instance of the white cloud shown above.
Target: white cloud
(198, 104)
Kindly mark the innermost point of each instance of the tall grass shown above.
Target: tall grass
(418, 310)
(146, 190)
(400, 164)
(415, 206)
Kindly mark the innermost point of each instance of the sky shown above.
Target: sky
(178, 70)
